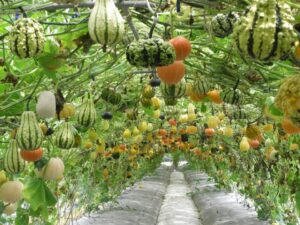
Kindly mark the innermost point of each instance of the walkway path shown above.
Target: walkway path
(171, 197)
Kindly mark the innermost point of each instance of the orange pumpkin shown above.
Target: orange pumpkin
(254, 143)
(195, 97)
(171, 74)
(172, 122)
(289, 127)
(214, 96)
(182, 47)
(162, 132)
(209, 132)
(32, 156)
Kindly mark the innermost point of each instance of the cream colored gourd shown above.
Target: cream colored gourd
(10, 209)
(53, 170)
(11, 191)
(244, 144)
(46, 105)
(106, 25)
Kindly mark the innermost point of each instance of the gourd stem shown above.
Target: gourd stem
(33, 91)
(155, 19)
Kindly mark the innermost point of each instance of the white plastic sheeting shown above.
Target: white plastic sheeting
(178, 207)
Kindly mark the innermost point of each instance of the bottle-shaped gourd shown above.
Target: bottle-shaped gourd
(29, 135)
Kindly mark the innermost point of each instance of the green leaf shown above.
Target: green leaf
(275, 111)
(38, 195)
(203, 108)
(297, 198)
(22, 217)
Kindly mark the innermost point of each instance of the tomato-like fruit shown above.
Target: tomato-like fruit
(32, 156)
(214, 96)
(209, 132)
(182, 47)
(171, 74)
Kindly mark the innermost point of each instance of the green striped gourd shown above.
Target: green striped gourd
(27, 38)
(13, 162)
(222, 25)
(87, 113)
(106, 25)
(232, 96)
(174, 90)
(64, 136)
(150, 52)
(170, 101)
(111, 96)
(201, 86)
(265, 32)
(29, 135)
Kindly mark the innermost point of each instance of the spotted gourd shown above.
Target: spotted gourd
(265, 32)
(27, 38)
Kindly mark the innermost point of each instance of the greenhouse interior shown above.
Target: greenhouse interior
(149, 112)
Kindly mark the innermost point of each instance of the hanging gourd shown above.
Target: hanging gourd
(171, 74)
(26, 38)
(201, 86)
(182, 47)
(173, 91)
(222, 25)
(29, 135)
(232, 96)
(150, 53)
(46, 105)
(111, 96)
(64, 137)
(13, 163)
(87, 113)
(106, 25)
(265, 32)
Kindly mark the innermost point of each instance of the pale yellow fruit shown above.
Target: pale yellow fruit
(127, 133)
(155, 102)
(149, 127)
(135, 131)
(228, 131)
(294, 147)
(143, 126)
(174, 129)
(93, 136)
(221, 116)
(3, 177)
(53, 170)
(267, 127)
(191, 117)
(138, 139)
(105, 124)
(244, 144)
(183, 118)
(10, 209)
(156, 114)
(191, 108)
(93, 155)
(213, 122)
(88, 144)
(11, 191)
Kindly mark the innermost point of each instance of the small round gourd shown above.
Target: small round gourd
(221, 25)
(27, 38)
(150, 53)
(232, 96)
(265, 32)
(87, 113)
(53, 170)
(11, 191)
(46, 105)
(64, 137)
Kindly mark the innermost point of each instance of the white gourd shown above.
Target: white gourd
(53, 170)
(46, 105)
(11, 191)
(106, 25)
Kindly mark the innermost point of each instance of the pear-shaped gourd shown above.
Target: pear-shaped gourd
(53, 170)
(106, 25)
(87, 113)
(29, 135)
(13, 162)
(46, 105)
(64, 136)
